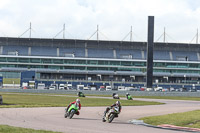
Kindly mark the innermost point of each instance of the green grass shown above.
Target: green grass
(186, 119)
(30, 100)
(170, 97)
(10, 129)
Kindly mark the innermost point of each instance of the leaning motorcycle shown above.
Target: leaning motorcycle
(111, 114)
(116, 96)
(129, 97)
(71, 111)
(80, 94)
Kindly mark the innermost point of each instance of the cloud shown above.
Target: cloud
(114, 17)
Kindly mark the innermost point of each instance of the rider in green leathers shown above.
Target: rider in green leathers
(78, 103)
(128, 96)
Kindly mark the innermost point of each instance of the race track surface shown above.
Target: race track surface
(90, 118)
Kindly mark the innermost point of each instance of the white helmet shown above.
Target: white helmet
(118, 103)
(78, 100)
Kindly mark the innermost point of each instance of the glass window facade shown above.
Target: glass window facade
(95, 64)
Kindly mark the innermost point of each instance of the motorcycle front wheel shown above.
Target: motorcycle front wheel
(110, 119)
(72, 112)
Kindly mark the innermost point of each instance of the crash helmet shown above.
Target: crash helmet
(118, 103)
(127, 93)
(77, 100)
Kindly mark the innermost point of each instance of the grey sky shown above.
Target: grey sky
(114, 17)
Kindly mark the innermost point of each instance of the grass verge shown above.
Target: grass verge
(29, 100)
(170, 97)
(121, 96)
(10, 129)
(186, 119)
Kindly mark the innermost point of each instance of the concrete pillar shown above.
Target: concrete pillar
(114, 53)
(1, 50)
(58, 52)
(29, 51)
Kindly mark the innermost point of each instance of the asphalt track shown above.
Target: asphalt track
(90, 118)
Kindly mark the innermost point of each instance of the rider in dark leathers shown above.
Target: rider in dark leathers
(115, 104)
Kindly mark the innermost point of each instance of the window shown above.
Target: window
(35, 60)
(79, 68)
(91, 68)
(126, 63)
(3, 59)
(114, 63)
(57, 61)
(24, 60)
(46, 60)
(12, 59)
(139, 64)
(194, 65)
(80, 62)
(92, 62)
(69, 61)
(159, 64)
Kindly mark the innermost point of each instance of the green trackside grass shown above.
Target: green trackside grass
(28, 100)
(10, 129)
(170, 97)
(186, 119)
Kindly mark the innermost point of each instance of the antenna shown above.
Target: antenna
(62, 31)
(164, 35)
(131, 33)
(197, 37)
(97, 32)
(29, 29)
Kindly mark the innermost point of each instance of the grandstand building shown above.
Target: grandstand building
(98, 62)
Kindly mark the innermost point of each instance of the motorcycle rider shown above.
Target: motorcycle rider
(127, 94)
(80, 94)
(113, 94)
(78, 103)
(108, 108)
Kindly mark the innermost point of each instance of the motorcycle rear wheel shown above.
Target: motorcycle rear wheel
(66, 114)
(103, 119)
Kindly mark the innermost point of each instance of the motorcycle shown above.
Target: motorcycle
(80, 94)
(129, 97)
(71, 111)
(115, 96)
(111, 114)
